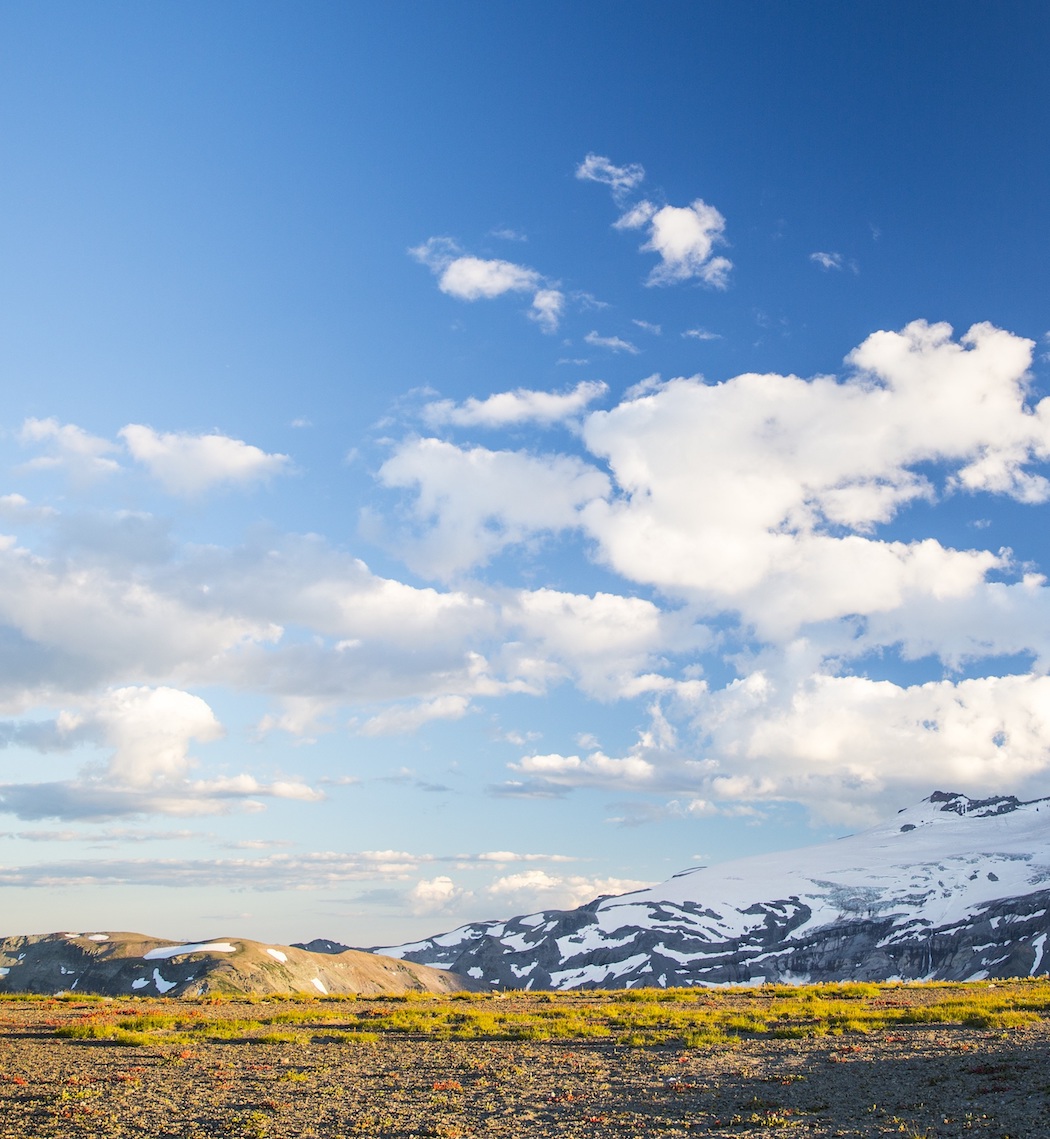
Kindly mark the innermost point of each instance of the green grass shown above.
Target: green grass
(692, 1018)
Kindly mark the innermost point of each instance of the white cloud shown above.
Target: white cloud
(506, 233)
(149, 732)
(827, 260)
(505, 409)
(736, 492)
(655, 329)
(404, 719)
(610, 645)
(71, 448)
(473, 278)
(189, 464)
(434, 895)
(834, 742)
(470, 278)
(701, 334)
(612, 343)
(538, 890)
(832, 261)
(474, 502)
(547, 306)
(684, 237)
(597, 769)
(621, 180)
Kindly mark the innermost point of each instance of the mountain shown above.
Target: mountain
(951, 889)
(126, 964)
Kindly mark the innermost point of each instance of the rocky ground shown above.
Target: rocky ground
(916, 1081)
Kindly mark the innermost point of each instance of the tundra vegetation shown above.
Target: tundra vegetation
(690, 1018)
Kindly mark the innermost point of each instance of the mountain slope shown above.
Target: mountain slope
(125, 964)
(953, 888)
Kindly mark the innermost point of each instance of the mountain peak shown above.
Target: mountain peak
(961, 804)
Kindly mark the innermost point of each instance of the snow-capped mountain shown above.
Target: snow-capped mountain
(953, 888)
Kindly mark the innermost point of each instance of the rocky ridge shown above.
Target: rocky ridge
(130, 964)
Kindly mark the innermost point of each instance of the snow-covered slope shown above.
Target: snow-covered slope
(953, 888)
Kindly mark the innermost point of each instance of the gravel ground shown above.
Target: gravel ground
(919, 1081)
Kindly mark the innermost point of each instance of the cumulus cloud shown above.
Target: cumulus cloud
(470, 278)
(850, 745)
(684, 237)
(547, 307)
(434, 895)
(471, 500)
(473, 278)
(621, 180)
(509, 409)
(610, 645)
(700, 334)
(69, 447)
(537, 889)
(742, 491)
(190, 464)
(612, 343)
(148, 732)
(596, 769)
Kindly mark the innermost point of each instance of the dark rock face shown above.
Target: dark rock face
(918, 901)
(321, 945)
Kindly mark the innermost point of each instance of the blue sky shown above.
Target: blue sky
(463, 459)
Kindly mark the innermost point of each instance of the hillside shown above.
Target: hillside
(124, 964)
(951, 889)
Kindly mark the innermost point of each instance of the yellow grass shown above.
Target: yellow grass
(694, 1017)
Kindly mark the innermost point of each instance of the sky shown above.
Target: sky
(464, 459)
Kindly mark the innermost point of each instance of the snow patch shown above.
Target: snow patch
(162, 985)
(166, 951)
(98, 937)
(140, 983)
(277, 955)
(319, 986)
(1037, 944)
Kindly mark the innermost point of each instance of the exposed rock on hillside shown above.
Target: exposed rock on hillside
(123, 964)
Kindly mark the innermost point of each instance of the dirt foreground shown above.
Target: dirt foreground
(916, 1080)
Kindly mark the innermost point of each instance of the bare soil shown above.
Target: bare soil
(913, 1081)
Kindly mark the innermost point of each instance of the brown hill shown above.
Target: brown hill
(130, 964)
